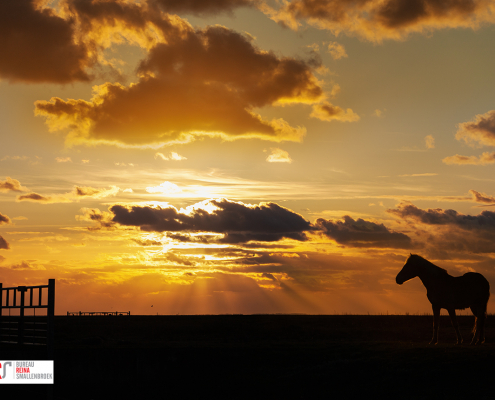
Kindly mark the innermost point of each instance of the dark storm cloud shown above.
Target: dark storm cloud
(3, 244)
(201, 7)
(205, 239)
(36, 45)
(41, 44)
(361, 233)
(238, 222)
(400, 13)
(448, 231)
(483, 221)
(376, 20)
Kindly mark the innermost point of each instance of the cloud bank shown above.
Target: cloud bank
(238, 222)
(377, 20)
(200, 83)
(361, 233)
(202, 7)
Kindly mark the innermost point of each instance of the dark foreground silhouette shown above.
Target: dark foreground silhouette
(260, 357)
(452, 293)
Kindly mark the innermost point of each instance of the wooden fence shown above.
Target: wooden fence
(28, 330)
(92, 313)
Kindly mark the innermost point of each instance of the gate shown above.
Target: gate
(28, 330)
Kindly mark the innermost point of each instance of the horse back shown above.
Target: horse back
(470, 289)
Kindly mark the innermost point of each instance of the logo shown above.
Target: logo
(4, 370)
(26, 372)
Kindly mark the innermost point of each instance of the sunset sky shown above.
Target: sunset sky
(245, 156)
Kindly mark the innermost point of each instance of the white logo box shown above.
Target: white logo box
(26, 371)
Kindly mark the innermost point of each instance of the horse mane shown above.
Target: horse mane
(429, 265)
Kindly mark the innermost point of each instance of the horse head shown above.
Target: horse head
(409, 270)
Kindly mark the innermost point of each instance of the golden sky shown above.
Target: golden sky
(245, 156)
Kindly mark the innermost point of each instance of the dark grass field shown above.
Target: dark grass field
(264, 356)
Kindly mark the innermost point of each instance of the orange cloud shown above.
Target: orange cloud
(164, 188)
(430, 142)
(482, 197)
(173, 156)
(24, 265)
(103, 219)
(3, 245)
(10, 184)
(279, 155)
(328, 112)
(484, 159)
(336, 50)
(103, 23)
(36, 197)
(376, 20)
(477, 133)
(4, 219)
(74, 196)
(206, 83)
(481, 130)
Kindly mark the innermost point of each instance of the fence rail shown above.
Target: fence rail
(92, 313)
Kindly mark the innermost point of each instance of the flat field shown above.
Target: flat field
(265, 356)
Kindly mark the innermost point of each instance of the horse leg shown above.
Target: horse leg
(481, 319)
(475, 312)
(436, 318)
(481, 328)
(453, 318)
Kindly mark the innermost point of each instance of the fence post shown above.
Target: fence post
(22, 290)
(50, 315)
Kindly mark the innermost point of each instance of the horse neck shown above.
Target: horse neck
(429, 273)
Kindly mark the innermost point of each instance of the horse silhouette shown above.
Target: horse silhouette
(452, 293)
